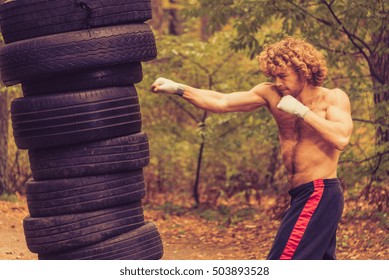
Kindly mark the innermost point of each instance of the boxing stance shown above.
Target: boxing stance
(314, 126)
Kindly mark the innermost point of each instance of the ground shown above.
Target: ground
(206, 234)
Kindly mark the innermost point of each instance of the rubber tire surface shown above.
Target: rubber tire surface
(58, 54)
(120, 75)
(61, 233)
(64, 119)
(69, 196)
(24, 19)
(143, 243)
(114, 155)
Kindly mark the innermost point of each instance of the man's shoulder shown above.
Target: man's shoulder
(337, 98)
(266, 85)
(334, 94)
(266, 90)
(336, 91)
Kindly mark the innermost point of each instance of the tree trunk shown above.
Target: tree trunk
(175, 24)
(379, 63)
(204, 33)
(3, 141)
(196, 195)
(3, 136)
(166, 17)
(158, 15)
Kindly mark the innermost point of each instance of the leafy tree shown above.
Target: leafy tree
(210, 148)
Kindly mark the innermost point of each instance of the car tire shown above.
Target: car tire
(58, 54)
(120, 75)
(25, 19)
(65, 232)
(114, 155)
(143, 243)
(77, 195)
(73, 118)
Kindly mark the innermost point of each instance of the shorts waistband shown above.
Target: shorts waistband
(333, 182)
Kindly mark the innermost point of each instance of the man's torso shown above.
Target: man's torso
(306, 155)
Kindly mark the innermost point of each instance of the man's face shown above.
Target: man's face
(288, 81)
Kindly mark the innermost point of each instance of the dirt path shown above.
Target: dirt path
(190, 237)
(13, 245)
(182, 236)
(12, 242)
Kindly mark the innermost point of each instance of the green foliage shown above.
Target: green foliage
(333, 25)
(8, 197)
(176, 129)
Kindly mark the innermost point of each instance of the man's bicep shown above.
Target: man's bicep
(340, 111)
(245, 101)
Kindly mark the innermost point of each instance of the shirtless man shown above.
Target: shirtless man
(314, 126)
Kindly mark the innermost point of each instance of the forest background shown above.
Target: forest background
(224, 171)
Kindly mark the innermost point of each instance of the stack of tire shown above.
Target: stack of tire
(77, 62)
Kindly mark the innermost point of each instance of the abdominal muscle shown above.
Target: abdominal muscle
(307, 157)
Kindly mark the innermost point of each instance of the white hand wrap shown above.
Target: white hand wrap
(162, 85)
(291, 105)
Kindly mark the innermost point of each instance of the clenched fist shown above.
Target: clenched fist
(291, 105)
(162, 85)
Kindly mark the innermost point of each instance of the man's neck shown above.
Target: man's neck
(308, 94)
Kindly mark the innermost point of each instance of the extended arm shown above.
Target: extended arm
(213, 101)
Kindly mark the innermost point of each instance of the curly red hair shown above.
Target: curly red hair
(302, 56)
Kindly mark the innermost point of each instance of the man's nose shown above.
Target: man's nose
(278, 82)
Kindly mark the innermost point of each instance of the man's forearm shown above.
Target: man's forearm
(208, 100)
(332, 132)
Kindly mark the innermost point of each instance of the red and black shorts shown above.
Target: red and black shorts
(308, 227)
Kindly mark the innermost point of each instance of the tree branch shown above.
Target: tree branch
(350, 35)
(178, 104)
(337, 51)
(367, 159)
(194, 62)
(370, 122)
(231, 129)
(220, 65)
(351, 77)
(330, 24)
(311, 15)
(384, 24)
(352, 38)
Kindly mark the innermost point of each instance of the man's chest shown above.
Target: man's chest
(292, 128)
